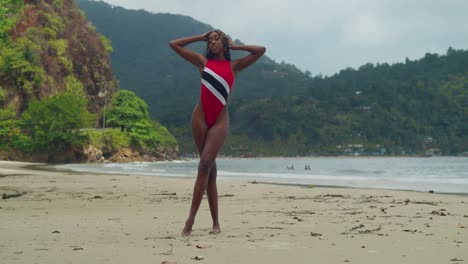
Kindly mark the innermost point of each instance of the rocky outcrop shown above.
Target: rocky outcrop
(60, 44)
(125, 155)
(131, 155)
(92, 154)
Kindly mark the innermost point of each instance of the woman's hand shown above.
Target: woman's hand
(206, 35)
(231, 43)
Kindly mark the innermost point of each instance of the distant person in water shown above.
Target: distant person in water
(210, 119)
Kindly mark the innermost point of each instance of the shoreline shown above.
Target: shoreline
(73, 217)
(50, 168)
(301, 179)
(47, 167)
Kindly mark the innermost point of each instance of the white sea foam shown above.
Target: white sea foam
(445, 174)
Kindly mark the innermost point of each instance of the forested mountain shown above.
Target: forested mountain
(55, 79)
(404, 108)
(45, 47)
(144, 63)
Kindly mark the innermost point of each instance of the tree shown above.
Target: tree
(127, 110)
(8, 125)
(130, 113)
(54, 124)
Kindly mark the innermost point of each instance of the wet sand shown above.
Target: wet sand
(69, 217)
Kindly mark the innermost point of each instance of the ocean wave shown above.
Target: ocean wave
(443, 175)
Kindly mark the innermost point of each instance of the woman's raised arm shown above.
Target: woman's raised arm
(197, 59)
(255, 53)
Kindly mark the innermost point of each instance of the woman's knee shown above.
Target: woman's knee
(205, 165)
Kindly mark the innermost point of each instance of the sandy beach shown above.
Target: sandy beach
(69, 217)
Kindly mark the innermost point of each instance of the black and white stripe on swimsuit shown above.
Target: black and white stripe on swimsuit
(216, 84)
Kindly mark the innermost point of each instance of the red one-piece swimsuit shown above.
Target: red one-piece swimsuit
(217, 79)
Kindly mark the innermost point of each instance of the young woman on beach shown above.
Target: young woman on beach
(210, 119)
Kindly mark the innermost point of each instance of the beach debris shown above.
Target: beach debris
(407, 201)
(306, 212)
(298, 219)
(465, 216)
(168, 262)
(357, 227)
(425, 202)
(203, 246)
(227, 195)
(369, 199)
(78, 248)
(253, 182)
(431, 191)
(12, 195)
(168, 193)
(156, 238)
(199, 257)
(97, 197)
(355, 230)
(269, 227)
(456, 259)
(334, 195)
(56, 232)
(410, 231)
(315, 234)
(441, 212)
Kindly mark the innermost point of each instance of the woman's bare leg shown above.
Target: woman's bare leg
(212, 194)
(209, 143)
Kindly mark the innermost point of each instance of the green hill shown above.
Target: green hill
(42, 44)
(144, 63)
(55, 79)
(404, 108)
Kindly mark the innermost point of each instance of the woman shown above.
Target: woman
(210, 119)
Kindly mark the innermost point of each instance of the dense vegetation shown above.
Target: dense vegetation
(53, 126)
(128, 125)
(55, 78)
(43, 45)
(404, 108)
(130, 113)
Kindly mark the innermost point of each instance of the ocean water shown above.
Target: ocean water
(440, 174)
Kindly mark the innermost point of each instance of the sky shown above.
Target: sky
(326, 36)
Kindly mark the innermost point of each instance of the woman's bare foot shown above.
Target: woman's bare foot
(188, 227)
(216, 229)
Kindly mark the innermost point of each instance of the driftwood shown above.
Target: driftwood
(11, 195)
